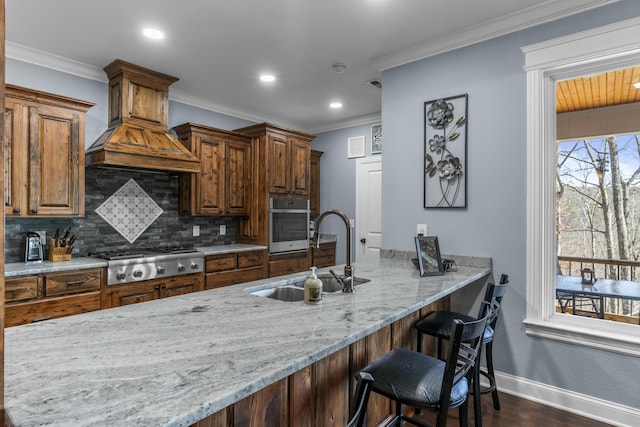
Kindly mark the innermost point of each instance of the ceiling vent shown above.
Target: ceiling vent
(375, 83)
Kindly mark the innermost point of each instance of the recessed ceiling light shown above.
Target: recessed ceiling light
(336, 105)
(267, 78)
(153, 33)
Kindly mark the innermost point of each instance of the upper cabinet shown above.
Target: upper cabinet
(44, 154)
(281, 168)
(286, 159)
(314, 186)
(223, 185)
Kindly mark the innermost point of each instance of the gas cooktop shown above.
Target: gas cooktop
(141, 253)
(133, 265)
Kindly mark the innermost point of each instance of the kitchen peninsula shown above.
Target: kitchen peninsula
(176, 361)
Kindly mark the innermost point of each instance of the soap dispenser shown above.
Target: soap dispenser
(313, 288)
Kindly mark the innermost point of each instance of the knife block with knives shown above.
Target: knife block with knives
(60, 247)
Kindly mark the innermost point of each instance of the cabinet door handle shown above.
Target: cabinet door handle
(76, 283)
(363, 240)
(40, 319)
(223, 263)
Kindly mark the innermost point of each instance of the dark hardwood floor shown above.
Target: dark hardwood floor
(517, 412)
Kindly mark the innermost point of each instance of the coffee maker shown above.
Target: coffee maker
(33, 248)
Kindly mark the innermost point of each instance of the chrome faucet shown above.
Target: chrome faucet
(347, 279)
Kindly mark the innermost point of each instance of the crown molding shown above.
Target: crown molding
(55, 62)
(351, 122)
(536, 15)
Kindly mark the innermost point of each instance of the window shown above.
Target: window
(591, 52)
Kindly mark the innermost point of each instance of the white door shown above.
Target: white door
(368, 230)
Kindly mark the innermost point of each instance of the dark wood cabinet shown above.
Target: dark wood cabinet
(234, 268)
(280, 265)
(281, 168)
(223, 186)
(324, 256)
(51, 295)
(314, 183)
(149, 290)
(44, 160)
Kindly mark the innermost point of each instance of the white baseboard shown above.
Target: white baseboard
(580, 404)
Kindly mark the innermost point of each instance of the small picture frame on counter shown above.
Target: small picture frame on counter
(429, 259)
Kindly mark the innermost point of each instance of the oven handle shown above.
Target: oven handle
(289, 210)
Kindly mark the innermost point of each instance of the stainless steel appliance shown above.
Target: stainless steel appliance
(288, 225)
(125, 266)
(33, 248)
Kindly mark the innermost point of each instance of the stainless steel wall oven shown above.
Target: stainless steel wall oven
(288, 225)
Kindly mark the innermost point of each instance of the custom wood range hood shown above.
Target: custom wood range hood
(138, 135)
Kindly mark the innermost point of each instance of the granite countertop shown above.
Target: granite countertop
(175, 361)
(21, 268)
(13, 269)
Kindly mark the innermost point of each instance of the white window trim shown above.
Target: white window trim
(590, 52)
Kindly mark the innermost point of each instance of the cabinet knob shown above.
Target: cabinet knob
(137, 273)
(16, 210)
(363, 240)
(34, 211)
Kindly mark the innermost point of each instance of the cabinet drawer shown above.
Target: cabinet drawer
(29, 312)
(288, 266)
(324, 261)
(72, 283)
(20, 289)
(220, 262)
(325, 249)
(219, 280)
(250, 259)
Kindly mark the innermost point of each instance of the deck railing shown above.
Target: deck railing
(610, 269)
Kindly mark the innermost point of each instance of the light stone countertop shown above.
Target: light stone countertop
(175, 361)
(13, 269)
(21, 268)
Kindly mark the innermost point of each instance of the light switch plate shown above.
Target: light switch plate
(421, 230)
(223, 230)
(196, 230)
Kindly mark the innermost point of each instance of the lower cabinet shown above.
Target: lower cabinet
(319, 395)
(148, 290)
(280, 265)
(234, 268)
(50, 295)
(324, 256)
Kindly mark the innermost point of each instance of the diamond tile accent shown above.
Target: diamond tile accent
(130, 211)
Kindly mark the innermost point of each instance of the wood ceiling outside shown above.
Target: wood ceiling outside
(610, 88)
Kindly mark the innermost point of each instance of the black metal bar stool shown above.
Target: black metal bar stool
(358, 409)
(439, 324)
(424, 382)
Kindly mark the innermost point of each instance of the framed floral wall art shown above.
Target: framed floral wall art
(376, 139)
(445, 152)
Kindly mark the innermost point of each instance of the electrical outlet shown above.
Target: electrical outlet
(421, 230)
(196, 230)
(223, 230)
(43, 237)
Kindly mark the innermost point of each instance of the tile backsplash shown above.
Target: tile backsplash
(95, 234)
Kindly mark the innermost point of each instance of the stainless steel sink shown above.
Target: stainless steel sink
(330, 283)
(294, 291)
(282, 293)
